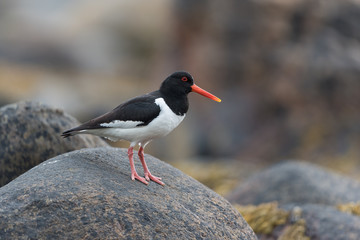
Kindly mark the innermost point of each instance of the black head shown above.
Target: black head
(177, 84)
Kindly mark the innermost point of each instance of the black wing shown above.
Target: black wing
(142, 109)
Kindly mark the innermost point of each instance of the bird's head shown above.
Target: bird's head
(182, 83)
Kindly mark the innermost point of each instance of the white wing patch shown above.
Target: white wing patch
(121, 124)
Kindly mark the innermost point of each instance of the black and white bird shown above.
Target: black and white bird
(144, 118)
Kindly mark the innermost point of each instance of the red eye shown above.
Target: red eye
(185, 79)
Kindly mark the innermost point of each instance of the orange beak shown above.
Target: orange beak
(201, 91)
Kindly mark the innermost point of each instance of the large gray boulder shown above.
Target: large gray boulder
(296, 182)
(312, 192)
(326, 222)
(305, 222)
(30, 134)
(88, 194)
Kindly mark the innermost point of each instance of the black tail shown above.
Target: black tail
(72, 132)
(68, 133)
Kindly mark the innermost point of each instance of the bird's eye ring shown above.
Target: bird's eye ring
(185, 79)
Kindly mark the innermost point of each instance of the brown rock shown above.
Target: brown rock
(30, 134)
(89, 194)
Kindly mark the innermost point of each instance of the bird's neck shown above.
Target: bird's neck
(179, 104)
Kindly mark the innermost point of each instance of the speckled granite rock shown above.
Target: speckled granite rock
(30, 133)
(88, 194)
(296, 182)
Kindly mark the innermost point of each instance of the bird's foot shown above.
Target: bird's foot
(134, 176)
(149, 176)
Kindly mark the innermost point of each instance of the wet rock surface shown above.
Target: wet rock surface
(296, 182)
(89, 194)
(30, 134)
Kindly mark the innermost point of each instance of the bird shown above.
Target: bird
(144, 118)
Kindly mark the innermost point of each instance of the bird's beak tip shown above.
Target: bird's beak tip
(195, 88)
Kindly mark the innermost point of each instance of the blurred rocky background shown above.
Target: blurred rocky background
(287, 73)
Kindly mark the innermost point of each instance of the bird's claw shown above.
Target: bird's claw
(149, 176)
(137, 177)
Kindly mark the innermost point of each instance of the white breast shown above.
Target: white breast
(167, 119)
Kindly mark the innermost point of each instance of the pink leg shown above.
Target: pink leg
(134, 174)
(148, 175)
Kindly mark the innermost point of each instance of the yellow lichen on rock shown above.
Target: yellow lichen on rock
(295, 231)
(264, 217)
(352, 208)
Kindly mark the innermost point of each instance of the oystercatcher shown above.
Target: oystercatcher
(144, 118)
